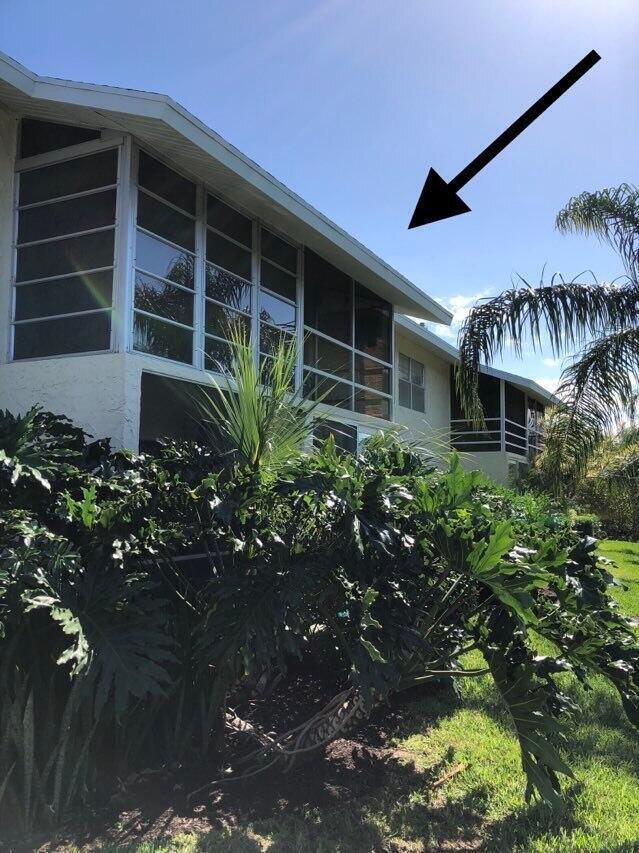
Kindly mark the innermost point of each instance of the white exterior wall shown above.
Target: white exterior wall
(432, 427)
(91, 390)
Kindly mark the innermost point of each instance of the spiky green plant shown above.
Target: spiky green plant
(256, 410)
(598, 387)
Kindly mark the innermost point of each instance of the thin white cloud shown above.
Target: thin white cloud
(460, 305)
(552, 362)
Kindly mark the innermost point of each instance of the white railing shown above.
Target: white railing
(498, 434)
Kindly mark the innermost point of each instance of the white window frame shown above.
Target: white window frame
(410, 382)
(109, 140)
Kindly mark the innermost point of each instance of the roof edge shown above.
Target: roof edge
(165, 109)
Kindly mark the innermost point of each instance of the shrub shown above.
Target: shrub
(119, 652)
(587, 523)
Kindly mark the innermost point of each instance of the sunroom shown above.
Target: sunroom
(137, 230)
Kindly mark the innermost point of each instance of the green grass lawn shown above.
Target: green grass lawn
(482, 807)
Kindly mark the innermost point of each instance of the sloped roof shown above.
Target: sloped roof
(170, 130)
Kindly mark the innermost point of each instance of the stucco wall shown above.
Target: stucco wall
(92, 390)
(431, 427)
(8, 134)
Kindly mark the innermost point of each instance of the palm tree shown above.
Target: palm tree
(600, 321)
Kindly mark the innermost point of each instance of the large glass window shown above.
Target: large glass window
(347, 337)
(228, 281)
(278, 293)
(164, 262)
(65, 246)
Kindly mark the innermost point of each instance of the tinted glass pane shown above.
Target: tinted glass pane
(372, 374)
(159, 338)
(229, 221)
(271, 338)
(279, 281)
(163, 220)
(279, 250)
(404, 393)
(490, 395)
(327, 298)
(224, 287)
(372, 324)
(416, 372)
(418, 402)
(67, 217)
(330, 391)
(162, 181)
(328, 356)
(72, 176)
(368, 403)
(158, 297)
(38, 137)
(266, 366)
(277, 312)
(157, 257)
(228, 255)
(71, 255)
(222, 322)
(404, 367)
(217, 355)
(64, 295)
(345, 435)
(85, 333)
(515, 404)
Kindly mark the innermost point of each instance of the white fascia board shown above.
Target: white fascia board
(450, 353)
(163, 109)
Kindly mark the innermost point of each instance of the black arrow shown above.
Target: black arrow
(439, 200)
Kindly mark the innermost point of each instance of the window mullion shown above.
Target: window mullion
(352, 344)
(299, 323)
(133, 239)
(255, 293)
(199, 279)
(121, 264)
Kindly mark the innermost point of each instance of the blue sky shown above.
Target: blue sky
(350, 102)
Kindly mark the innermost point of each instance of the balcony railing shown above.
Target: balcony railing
(498, 435)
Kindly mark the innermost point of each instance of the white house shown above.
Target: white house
(132, 237)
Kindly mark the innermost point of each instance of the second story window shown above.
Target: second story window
(411, 384)
(278, 293)
(228, 281)
(347, 341)
(165, 262)
(65, 245)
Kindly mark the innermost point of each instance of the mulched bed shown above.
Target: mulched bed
(156, 805)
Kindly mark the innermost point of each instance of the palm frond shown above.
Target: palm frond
(613, 215)
(597, 390)
(562, 314)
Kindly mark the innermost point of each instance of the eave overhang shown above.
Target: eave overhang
(171, 131)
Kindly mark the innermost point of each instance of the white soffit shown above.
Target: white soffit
(184, 140)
